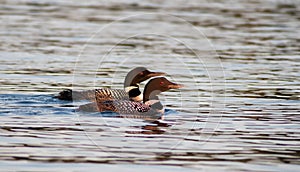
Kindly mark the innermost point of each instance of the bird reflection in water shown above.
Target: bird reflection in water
(153, 127)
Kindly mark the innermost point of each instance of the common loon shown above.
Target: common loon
(150, 105)
(131, 89)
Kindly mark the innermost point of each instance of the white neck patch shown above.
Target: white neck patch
(127, 89)
(137, 98)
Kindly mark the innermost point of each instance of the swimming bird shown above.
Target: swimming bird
(150, 105)
(131, 89)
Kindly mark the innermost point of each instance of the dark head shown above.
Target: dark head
(156, 86)
(138, 75)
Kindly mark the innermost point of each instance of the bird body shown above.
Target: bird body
(151, 106)
(130, 92)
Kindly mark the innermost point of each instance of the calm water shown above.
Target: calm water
(239, 61)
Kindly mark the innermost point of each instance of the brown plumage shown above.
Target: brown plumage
(133, 78)
(150, 106)
(103, 93)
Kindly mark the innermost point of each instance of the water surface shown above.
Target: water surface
(239, 61)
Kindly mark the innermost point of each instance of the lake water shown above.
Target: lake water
(239, 62)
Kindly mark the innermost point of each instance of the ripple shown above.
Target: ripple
(257, 43)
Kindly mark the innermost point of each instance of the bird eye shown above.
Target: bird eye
(161, 83)
(141, 73)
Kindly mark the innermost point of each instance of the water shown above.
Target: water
(239, 61)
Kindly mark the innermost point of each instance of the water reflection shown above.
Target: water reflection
(154, 127)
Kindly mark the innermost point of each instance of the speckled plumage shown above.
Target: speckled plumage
(92, 95)
(131, 89)
(124, 107)
(111, 94)
(151, 106)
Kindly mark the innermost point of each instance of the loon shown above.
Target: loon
(151, 106)
(131, 89)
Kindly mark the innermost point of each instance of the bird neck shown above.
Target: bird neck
(150, 95)
(154, 103)
(134, 93)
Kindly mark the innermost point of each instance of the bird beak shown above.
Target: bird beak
(153, 74)
(175, 86)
